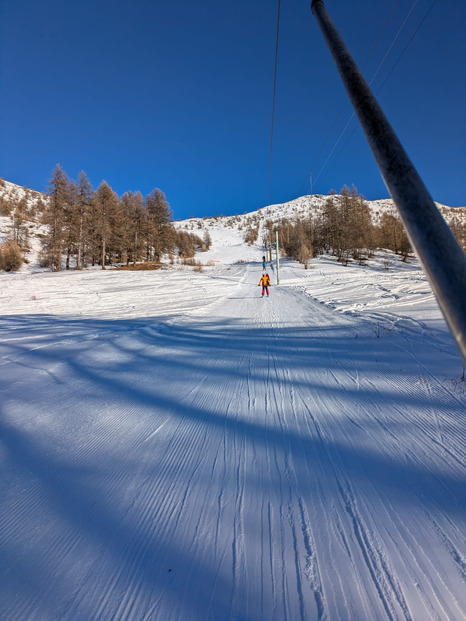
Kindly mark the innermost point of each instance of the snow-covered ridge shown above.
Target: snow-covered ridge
(15, 193)
(32, 204)
(227, 232)
(301, 208)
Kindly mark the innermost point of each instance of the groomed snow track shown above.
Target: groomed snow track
(233, 458)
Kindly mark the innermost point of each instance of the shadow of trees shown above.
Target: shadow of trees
(116, 427)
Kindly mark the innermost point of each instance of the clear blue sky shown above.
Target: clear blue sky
(178, 95)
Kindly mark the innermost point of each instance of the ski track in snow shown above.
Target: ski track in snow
(205, 454)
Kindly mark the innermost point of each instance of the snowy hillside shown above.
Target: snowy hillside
(173, 447)
(232, 246)
(302, 207)
(15, 193)
(32, 203)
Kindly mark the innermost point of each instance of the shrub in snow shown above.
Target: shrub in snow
(10, 256)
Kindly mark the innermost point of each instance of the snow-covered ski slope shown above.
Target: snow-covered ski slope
(174, 447)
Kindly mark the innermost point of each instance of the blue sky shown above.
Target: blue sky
(178, 95)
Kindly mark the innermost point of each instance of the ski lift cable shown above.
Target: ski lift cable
(384, 27)
(407, 45)
(334, 146)
(273, 103)
(372, 79)
(369, 56)
(340, 112)
(393, 43)
(383, 83)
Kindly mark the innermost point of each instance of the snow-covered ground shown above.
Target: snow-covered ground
(174, 447)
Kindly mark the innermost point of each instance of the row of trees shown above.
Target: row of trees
(87, 227)
(344, 228)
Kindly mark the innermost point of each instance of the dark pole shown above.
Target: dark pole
(436, 247)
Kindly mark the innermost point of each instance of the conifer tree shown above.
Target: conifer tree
(329, 228)
(19, 229)
(135, 215)
(84, 194)
(105, 204)
(70, 223)
(207, 239)
(393, 236)
(160, 229)
(54, 217)
(117, 242)
(361, 229)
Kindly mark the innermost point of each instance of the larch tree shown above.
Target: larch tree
(84, 194)
(19, 229)
(105, 204)
(135, 214)
(70, 223)
(116, 249)
(160, 228)
(58, 192)
(361, 227)
(392, 235)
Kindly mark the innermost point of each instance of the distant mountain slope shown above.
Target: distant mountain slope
(226, 231)
(13, 194)
(300, 208)
(32, 205)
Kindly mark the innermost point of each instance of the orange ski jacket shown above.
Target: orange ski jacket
(265, 281)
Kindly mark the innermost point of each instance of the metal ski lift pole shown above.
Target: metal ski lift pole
(440, 255)
(277, 257)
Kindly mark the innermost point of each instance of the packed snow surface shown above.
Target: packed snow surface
(175, 447)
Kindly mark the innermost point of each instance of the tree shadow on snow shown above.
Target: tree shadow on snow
(317, 396)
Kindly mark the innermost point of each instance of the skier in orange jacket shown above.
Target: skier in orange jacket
(265, 282)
